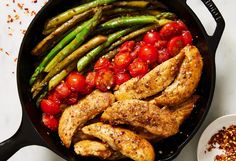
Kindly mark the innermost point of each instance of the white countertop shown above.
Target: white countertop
(10, 115)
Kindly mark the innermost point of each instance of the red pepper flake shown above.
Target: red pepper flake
(8, 54)
(34, 1)
(13, 1)
(33, 13)
(1, 49)
(23, 31)
(20, 22)
(10, 34)
(226, 139)
(14, 10)
(7, 5)
(20, 5)
(15, 60)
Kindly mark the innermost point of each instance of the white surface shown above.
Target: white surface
(10, 115)
(213, 128)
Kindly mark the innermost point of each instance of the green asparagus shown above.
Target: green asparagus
(60, 66)
(74, 44)
(84, 61)
(138, 4)
(63, 17)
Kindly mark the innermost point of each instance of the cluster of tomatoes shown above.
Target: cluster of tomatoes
(134, 59)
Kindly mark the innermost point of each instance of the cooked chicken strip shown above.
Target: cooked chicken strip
(93, 148)
(79, 136)
(187, 80)
(125, 141)
(153, 82)
(77, 115)
(161, 122)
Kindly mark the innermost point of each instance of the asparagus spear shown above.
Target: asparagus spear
(135, 20)
(74, 44)
(111, 54)
(63, 17)
(55, 50)
(73, 57)
(137, 33)
(47, 42)
(49, 31)
(138, 4)
(84, 61)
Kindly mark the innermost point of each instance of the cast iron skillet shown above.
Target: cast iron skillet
(32, 132)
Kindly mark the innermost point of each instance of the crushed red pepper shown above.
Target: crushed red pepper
(225, 139)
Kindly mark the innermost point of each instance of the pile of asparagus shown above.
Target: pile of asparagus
(76, 37)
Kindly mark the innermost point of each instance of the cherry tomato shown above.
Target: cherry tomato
(49, 107)
(182, 26)
(120, 78)
(170, 30)
(187, 37)
(134, 53)
(175, 45)
(148, 54)
(76, 81)
(86, 90)
(161, 44)
(127, 46)
(72, 98)
(122, 60)
(119, 70)
(90, 79)
(163, 55)
(102, 63)
(151, 37)
(138, 68)
(53, 96)
(50, 121)
(62, 90)
(104, 80)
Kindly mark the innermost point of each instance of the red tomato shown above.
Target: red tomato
(76, 81)
(54, 97)
(175, 45)
(148, 53)
(104, 80)
(50, 121)
(119, 70)
(122, 60)
(182, 26)
(170, 30)
(72, 98)
(62, 90)
(90, 79)
(87, 89)
(187, 37)
(161, 44)
(102, 63)
(138, 68)
(151, 37)
(163, 55)
(127, 46)
(120, 78)
(134, 53)
(49, 107)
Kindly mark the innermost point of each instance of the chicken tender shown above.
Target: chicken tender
(125, 141)
(77, 115)
(163, 122)
(187, 80)
(93, 148)
(153, 82)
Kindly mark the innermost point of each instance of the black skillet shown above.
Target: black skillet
(32, 132)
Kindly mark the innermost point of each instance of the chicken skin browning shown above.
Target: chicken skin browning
(153, 82)
(187, 79)
(163, 122)
(77, 115)
(125, 141)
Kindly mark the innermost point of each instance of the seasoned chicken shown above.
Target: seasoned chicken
(153, 82)
(93, 148)
(163, 122)
(125, 141)
(79, 136)
(187, 80)
(77, 115)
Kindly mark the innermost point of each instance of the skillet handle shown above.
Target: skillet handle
(25, 135)
(220, 25)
